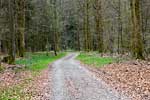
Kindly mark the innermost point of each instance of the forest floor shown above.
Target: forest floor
(29, 79)
(131, 78)
(75, 77)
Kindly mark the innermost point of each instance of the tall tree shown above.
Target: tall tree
(87, 33)
(20, 14)
(55, 28)
(137, 44)
(11, 32)
(120, 42)
(99, 24)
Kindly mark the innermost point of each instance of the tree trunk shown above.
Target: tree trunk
(11, 50)
(20, 10)
(55, 27)
(84, 30)
(99, 25)
(137, 44)
(120, 42)
(87, 34)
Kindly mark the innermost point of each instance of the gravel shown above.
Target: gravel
(71, 81)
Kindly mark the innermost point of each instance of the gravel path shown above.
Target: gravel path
(70, 81)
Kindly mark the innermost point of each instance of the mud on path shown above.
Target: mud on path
(70, 81)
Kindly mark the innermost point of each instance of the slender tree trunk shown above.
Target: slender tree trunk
(11, 50)
(99, 25)
(0, 45)
(55, 27)
(78, 41)
(137, 44)
(0, 51)
(144, 26)
(87, 34)
(20, 7)
(84, 30)
(120, 37)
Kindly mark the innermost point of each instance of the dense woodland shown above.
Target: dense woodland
(106, 26)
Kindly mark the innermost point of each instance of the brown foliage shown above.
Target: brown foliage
(131, 78)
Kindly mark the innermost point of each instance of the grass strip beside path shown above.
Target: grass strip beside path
(95, 60)
(38, 61)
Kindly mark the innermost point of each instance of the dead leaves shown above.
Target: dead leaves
(40, 87)
(131, 78)
(32, 87)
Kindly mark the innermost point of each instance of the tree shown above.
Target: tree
(99, 25)
(120, 42)
(137, 44)
(11, 50)
(89, 25)
(20, 24)
(55, 29)
(87, 33)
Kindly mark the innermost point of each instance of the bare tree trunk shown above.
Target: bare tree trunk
(137, 44)
(84, 30)
(20, 10)
(12, 33)
(120, 40)
(0, 51)
(78, 40)
(87, 34)
(55, 27)
(99, 25)
(0, 45)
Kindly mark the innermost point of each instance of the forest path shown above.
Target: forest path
(71, 81)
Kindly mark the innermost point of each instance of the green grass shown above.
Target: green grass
(38, 61)
(95, 60)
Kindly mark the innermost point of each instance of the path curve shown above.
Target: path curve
(71, 81)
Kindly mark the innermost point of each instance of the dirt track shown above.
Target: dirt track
(71, 81)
